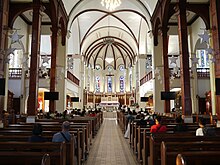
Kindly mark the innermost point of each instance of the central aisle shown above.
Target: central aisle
(110, 147)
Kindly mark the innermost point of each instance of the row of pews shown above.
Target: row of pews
(171, 148)
(14, 148)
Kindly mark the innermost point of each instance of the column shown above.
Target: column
(127, 81)
(184, 58)
(4, 7)
(82, 87)
(61, 84)
(157, 63)
(34, 66)
(166, 70)
(215, 17)
(52, 103)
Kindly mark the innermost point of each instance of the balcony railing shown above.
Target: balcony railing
(201, 73)
(146, 78)
(73, 78)
(17, 72)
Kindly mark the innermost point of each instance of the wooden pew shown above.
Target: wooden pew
(200, 152)
(180, 160)
(143, 140)
(45, 159)
(27, 153)
(56, 127)
(19, 135)
(156, 139)
(70, 147)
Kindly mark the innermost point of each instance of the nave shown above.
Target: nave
(109, 146)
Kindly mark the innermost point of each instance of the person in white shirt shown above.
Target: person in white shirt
(199, 131)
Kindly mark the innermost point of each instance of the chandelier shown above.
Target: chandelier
(108, 41)
(111, 4)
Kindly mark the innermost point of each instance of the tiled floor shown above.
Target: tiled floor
(110, 147)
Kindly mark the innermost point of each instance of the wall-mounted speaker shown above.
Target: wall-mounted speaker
(51, 95)
(2, 86)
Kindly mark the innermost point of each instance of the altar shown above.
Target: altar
(109, 102)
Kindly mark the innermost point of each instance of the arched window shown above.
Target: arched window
(122, 84)
(109, 84)
(97, 84)
(203, 59)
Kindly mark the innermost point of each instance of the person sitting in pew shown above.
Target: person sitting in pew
(203, 130)
(64, 135)
(158, 127)
(180, 126)
(142, 122)
(37, 134)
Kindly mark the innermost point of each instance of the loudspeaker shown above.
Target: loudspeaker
(168, 95)
(74, 99)
(217, 86)
(144, 99)
(2, 86)
(51, 95)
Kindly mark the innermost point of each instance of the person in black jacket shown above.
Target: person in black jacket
(37, 134)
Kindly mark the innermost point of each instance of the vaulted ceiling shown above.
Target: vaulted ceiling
(109, 38)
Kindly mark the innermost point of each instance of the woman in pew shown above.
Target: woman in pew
(158, 127)
(37, 134)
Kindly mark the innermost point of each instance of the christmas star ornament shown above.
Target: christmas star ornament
(175, 70)
(10, 51)
(209, 50)
(157, 70)
(15, 37)
(45, 60)
(194, 60)
(213, 60)
(172, 78)
(7, 59)
(204, 37)
(173, 60)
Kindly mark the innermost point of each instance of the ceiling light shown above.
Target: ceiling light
(111, 4)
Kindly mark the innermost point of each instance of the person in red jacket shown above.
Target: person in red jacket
(158, 128)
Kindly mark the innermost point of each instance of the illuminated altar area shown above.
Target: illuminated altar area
(109, 102)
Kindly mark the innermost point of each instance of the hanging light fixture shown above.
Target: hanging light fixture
(111, 4)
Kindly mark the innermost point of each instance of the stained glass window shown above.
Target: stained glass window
(203, 59)
(109, 81)
(122, 86)
(97, 84)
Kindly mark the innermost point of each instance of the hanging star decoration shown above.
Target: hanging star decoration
(209, 50)
(8, 54)
(15, 37)
(157, 71)
(204, 37)
(45, 60)
(194, 60)
(175, 70)
(173, 60)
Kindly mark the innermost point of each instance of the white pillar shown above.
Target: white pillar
(61, 83)
(157, 53)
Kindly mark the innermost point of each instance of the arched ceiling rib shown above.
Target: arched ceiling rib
(119, 25)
